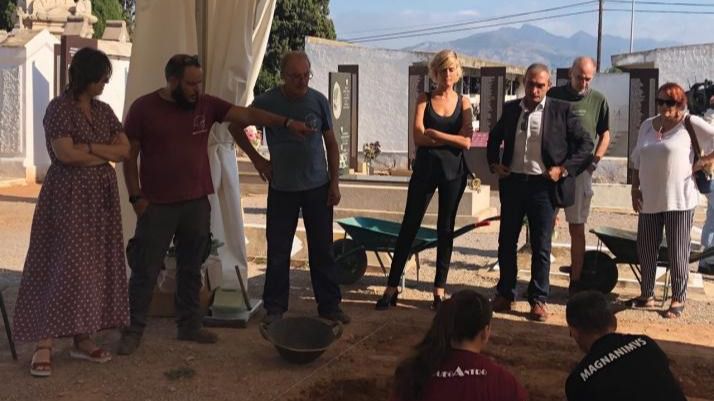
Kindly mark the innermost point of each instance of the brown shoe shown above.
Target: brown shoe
(538, 312)
(501, 304)
(201, 336)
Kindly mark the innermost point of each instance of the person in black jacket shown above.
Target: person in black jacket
(616, 366)
(544, 148)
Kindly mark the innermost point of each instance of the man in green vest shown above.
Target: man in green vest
(592, 109)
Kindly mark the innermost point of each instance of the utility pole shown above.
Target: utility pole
(599, 35)
(632, 26)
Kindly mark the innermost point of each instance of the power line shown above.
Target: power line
(400, 29)
(440, 29)
(476, 21)
(661, 11)
(662, 3)
(411, 35)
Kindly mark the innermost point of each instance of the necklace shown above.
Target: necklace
(661, 130)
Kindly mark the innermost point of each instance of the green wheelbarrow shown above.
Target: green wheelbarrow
(368, 234)
(600, 271)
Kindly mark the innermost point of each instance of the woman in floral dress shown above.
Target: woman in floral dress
(74, 279)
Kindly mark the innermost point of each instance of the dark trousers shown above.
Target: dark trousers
(529, 196)
(421, 190)
(188, 224)
(282, 218)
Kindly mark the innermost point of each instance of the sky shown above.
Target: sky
(360, 18)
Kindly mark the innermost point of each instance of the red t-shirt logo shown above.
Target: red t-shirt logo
(199, 125)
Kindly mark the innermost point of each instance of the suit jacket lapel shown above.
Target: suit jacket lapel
(513, 123)
(544, 125)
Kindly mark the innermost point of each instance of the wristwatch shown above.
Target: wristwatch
(564, 173)
(135, 198)
(287, 122)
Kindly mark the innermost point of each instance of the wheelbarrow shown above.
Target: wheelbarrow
(376, 235)
(600, 269)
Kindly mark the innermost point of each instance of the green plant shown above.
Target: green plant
(292, 21)
(106, 10)
(7, 14)
(371, 151)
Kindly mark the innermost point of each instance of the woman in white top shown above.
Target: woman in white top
(664, 192)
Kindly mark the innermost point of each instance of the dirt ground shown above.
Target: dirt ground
(359, 366)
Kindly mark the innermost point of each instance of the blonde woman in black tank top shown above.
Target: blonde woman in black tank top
(442, 131)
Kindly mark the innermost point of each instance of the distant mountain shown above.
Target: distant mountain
(529, 44)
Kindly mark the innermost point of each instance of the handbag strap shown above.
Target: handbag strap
(693, 137)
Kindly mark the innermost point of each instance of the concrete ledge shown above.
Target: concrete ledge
(257, 248)
(12, 182)
(393, 198)
(617, 197)
(429, 218)
(382, 197)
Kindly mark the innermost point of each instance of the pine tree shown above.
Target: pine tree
(292, 21)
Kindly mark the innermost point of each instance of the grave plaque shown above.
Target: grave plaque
(354, 131)
(341, 102)
(69, 46)
(493, 94)
(643, 90)
(561, 76)
(418, 79)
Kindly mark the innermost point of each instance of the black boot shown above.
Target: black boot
(386, 301)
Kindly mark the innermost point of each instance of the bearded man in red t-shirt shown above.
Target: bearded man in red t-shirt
(169, 128)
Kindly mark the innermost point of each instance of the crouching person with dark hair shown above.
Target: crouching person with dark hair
(616, 366)
(448, 364)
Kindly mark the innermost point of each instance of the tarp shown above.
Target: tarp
(236, 34)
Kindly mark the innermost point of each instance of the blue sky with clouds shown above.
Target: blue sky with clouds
(356, 18)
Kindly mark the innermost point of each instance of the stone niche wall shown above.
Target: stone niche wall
(10, 112)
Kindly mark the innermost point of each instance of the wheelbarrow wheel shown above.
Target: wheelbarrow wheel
(599, 272)
(351, 261)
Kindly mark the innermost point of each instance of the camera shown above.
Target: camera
(698, 97)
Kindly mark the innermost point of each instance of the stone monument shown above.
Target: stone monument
(57, 16)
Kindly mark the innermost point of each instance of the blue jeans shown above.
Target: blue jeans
(284, 209)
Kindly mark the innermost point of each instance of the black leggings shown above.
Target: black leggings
(421, 190)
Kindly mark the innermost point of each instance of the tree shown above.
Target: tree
(106, 10)
(7, 12)
(129, 7)
(292, 21)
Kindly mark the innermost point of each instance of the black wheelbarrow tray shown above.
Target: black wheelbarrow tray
(600, 269)
(368, 234)
(301, 339)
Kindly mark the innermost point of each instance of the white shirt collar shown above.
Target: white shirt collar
(538, 107)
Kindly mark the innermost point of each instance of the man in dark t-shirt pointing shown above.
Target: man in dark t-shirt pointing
(169, 128)
(616, 367)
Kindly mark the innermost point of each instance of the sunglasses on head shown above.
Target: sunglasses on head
(666, 102)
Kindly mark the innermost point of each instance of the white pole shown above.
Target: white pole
(632, 26)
